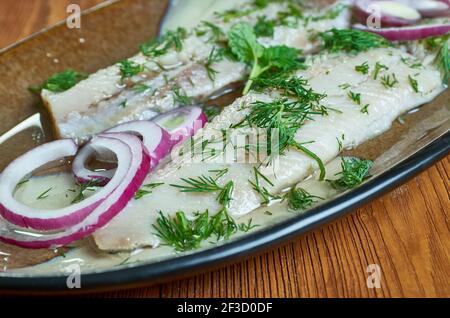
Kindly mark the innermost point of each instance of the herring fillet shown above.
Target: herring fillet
(96, 104)
(326, 74)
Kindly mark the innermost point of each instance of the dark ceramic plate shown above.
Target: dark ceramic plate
(112, 32)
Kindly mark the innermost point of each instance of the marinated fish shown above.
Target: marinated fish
(360, 96)
(179, 68)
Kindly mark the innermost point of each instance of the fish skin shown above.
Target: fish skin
(133, 227)
(94, 104)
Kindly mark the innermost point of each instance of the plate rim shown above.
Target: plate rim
(148, 274)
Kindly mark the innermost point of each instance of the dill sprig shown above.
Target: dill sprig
(129, 68)
(215, 31)
(363, 68)
(146, 190)
(207, 184)
(187, 234)
(443, 62)
(355, 97)
(180, 96)
(351, 41)
(299, 199)
(389, 81)
(264, 27)
(378, 68)
(161, 45)
(60, 82)
(216, 55)
(265, 194)
(354, 172)
(90, 186)
(414, 84)
(45, 194)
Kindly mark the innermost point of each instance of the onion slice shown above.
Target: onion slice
(408, 33)
(155, 139)
(182, 123)
(389, 13)
(432, 8)
(46, 220)
(116, 201)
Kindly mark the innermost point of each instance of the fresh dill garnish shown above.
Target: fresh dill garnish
(129, 68)
(247, 227)
(378, 68)
(268, 213)
(443, 62)
(244, 45)
(355, 97)
(211, 112)
(215, 56)
(205, 184)
(140, 88)
(146, 190)
(220, 173)
(207, 27)
(45, 194)
(389, 81)
(123, 104)
(351, 41)
(365, 109)
(411, 63)
(264, 193)
(232, 14)
(161, 45)
(180, 96)
(264, 27)
(340, 143)
(186, 234)
(21, 183)
(414, 84)
(354, 172)
(60, 82)
(299, 199)
(363, 68)
(82, 188)
(344, 86)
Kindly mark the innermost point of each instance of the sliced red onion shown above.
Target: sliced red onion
(431, 8)
(118, 199)
(155, 139)
(46, 220)
(389, 13)
(408, 33)
(182, 123)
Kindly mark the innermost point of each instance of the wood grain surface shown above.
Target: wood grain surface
(406, 233)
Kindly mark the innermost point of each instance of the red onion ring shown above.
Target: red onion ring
(362, 12)
(182, 123)
(117, 200)
(155, 139)
(46, 220)
(408, 33)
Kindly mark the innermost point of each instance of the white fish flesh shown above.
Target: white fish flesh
(330, 74)
(104, 100)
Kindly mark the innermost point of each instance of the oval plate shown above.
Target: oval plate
(113, 31)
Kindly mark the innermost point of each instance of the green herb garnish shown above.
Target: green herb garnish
(180, 96)
(379, 67)
(266, 196)
(82, 188)
(354, 172)
(355, 97)
(60, 82)
(146, 190)
(389, 81)
(299, 199)
(161, 45)
(44, 195)
(414, 84)
(129, 68)
(351, 41)
(363, 68)
(264, 27)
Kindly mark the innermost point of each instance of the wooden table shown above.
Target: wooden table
(407, 232)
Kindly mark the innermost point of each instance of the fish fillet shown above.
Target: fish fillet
(103, 100)
(330, 74)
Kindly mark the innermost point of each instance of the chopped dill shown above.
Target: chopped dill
(355, 97)
(215, 56)
(146, 190)
(299, 199)
(389, 81)
(351, 41)
(363, 68)
(344, 86)
(180, 96)
(123, 104)
(82, 188)
(60, 82)
(45, 194)
(266, 196)
(264, 27)
(365, 109)
(161, 45)
(354, 172)
(129, 68)
(247, 227)
(414, 84)
(378, 68)
(140, 88)
(215, 31)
